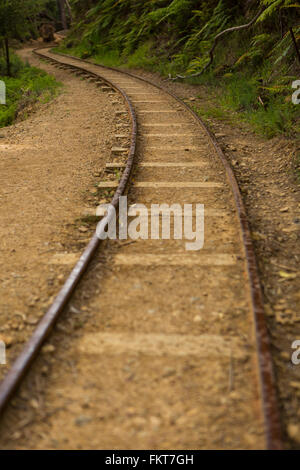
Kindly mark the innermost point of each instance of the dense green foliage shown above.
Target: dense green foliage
(178, 30)
(19, 19)
(250, 67)
(26, 86)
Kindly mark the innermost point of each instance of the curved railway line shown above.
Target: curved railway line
(175, 159)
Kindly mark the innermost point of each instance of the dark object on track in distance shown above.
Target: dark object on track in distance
(47, 31)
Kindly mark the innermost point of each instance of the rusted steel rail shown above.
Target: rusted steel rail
(31, 349)
(267, 378)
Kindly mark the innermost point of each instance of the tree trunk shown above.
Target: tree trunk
(8, 69)
(69, 10)
(61, 4)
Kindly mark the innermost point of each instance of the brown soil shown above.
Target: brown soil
(47, 172)
(157, 347)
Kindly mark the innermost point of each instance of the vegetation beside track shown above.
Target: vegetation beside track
(26, 86)
(253, 69)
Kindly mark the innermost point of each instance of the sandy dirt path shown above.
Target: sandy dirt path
(48, 168)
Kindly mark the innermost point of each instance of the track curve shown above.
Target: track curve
(113, 78)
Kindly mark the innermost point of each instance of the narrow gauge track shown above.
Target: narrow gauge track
(184, 164)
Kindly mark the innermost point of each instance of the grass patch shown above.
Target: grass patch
(27, 86)
(238, 98)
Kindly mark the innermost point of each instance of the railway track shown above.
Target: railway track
(196, 320)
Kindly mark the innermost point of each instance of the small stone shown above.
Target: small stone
(197, 319)
(83, 229)
(86, 402)
(294, 431)
(34, 403)
(155, 422)
(169, 371)
(234, 395)
(151, 311)
(285, 355)
(82, 420)
(48, 349)
(137, 285)
(31, 320)
(7, 340)
(295, 385)
(74, 309)
(45, 371)
(284, 209)
(251, 439)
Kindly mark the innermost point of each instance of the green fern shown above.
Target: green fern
(274, 5)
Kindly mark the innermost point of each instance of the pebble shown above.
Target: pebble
(34, 404)
(285, 355)
(31, 320)
(86, 403)
(45, 371)
(155, 422)
(83, 229)
(151, 311)
(169, 371)
(16, 435)
(7, 340)
(295, 384)
(137, 285)
(74, 309)
(294, 431)
(82, 420)
(48, 349)
(251, 439)
(197, 319)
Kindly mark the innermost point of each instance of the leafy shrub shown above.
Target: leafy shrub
(27, 86)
